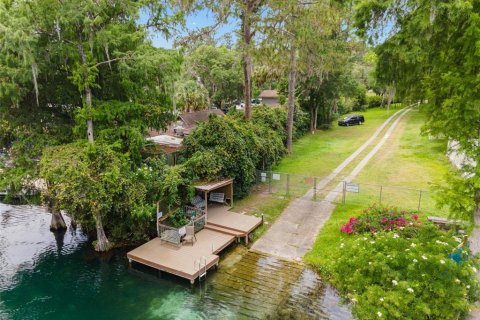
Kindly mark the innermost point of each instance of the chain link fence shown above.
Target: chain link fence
(345, 192)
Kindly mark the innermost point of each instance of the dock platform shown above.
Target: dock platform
(223, 227)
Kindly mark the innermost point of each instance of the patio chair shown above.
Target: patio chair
(198, 202)
(190, 236)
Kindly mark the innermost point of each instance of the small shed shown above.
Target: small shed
(270, 97)
(224, 186)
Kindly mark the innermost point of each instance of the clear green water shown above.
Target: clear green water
(48, 276)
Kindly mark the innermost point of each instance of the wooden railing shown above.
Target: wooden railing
(174, 235)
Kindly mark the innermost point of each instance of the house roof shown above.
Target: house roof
(269, 94)
(192, 119)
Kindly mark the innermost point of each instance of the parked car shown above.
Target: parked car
(351, 120)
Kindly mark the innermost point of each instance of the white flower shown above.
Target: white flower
(457, 281)
(388, 256)
(394, 282)
(442, 261)
(381, 299)
(342, 245)
(424, 258)
(396, 236)
(474, 269)
(365, 239)
(415, 260)
(468, 286)
(354, 300)
(410, 290)
(407, 249)
(370, 262)
(413, 245)
(379, 314)
(372, 242)
(457, 239)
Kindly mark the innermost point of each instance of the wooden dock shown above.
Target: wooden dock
(191, 261)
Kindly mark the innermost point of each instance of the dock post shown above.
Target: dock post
(192, 282)
(262, 218)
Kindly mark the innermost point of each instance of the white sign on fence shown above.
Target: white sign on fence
(276, 176)
(263, 176)
(352, 187)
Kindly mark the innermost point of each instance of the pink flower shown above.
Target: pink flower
(415, 217)
(353, 220)
(384, 220)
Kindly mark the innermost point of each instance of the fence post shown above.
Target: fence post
(381, 189)
(344, 191)
(269, 173)
(288, 184)
(314, 188)
(419, 200)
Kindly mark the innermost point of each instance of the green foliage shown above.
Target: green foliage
(374, 101)
(230, 147)
(433, 56)
(191, 95)
(123, 125)
(218, 69)
(406, 275)
(86, 180)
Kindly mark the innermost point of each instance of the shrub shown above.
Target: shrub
(374, 101)
(395, 273)
(377, 219)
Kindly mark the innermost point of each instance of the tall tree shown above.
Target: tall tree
(432, 53)
(218, 69)
(293, 29)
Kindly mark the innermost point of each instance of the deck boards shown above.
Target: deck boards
(222, 217)
(181, 261)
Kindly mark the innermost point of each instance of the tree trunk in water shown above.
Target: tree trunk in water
(291, 97)
(102, 244)
(247, 59)
(57, 223)
(88, 91)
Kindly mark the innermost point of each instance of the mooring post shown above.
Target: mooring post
(419, 200)
(314, 188)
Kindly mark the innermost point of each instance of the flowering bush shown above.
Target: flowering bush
(377, 219)
(388, 273)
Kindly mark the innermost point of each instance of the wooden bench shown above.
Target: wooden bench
(217, 197)
(444, 222)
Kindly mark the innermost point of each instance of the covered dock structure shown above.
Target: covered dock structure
(219, 228)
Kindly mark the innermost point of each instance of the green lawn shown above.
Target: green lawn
(318, 154)
(313, 155)
(407, 160)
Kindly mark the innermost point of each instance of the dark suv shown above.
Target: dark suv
(352, 120)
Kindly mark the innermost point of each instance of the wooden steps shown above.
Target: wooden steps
(224, 230)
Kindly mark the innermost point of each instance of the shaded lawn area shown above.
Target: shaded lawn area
(408, 160)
